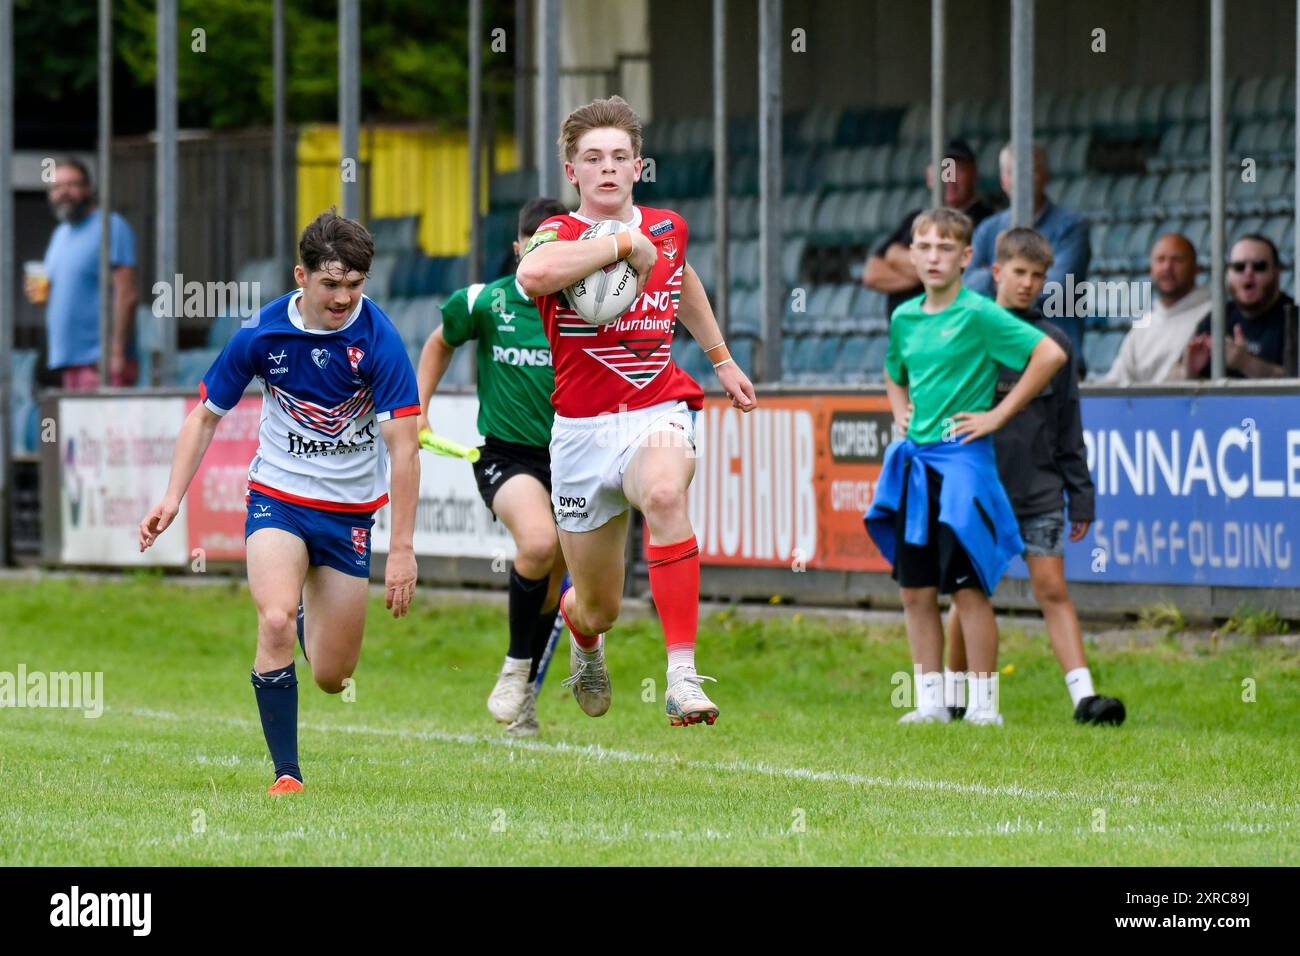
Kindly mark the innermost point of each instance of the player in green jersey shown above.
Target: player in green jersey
(515, 381)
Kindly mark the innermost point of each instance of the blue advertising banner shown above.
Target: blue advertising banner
(1192, 489)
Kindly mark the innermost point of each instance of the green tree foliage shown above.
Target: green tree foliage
(54, 48)
(414, 60)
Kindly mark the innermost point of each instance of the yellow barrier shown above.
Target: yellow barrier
(412, 170)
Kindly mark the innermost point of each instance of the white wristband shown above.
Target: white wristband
(722, 363)
(615, 238)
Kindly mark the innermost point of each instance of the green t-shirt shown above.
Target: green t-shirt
(515, 375)
(949, 360)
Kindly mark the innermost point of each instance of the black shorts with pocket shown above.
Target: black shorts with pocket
(941, 562)
(500, 460)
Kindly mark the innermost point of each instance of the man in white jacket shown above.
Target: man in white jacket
(1152, 351)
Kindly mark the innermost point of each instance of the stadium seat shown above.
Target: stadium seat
(791, 259)
(24, 426)
(703, 259)
(24, 374)
(222, 329)
(850, 364)
(822, 365)
(742, 350)
(744, 311)
(877, 348)
(191, 364)
(1099, 351)
(1150, 102)
(395, 234)
(796, 352)
(1137, 252)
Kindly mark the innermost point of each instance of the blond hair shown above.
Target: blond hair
(1022, 242)
(950, 223)
(614, 113)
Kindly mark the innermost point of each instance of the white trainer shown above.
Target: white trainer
(589, 677)
(685, 701)
(922, 716)
(525, 725)
(508, 695)
(983, 718)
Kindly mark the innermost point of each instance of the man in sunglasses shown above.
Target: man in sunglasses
(1256, 324)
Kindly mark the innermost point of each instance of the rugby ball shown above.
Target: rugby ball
(603, 296)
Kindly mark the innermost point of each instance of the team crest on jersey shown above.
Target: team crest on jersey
(320, 356)
(359, 540)
(355, 355)
(659, 228)
(668, 248)
(635, 360)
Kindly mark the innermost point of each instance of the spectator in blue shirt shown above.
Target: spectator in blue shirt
(1065, 229)
(72, 278)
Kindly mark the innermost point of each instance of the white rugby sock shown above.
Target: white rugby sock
(1079, 684)
(983, 696)
(929, 690)
(682, 655)
(954, 688)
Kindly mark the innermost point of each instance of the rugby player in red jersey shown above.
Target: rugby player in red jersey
(624, 424)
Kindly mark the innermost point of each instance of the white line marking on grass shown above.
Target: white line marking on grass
(734, 766)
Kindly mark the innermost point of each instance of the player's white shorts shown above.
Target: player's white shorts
(589, 456)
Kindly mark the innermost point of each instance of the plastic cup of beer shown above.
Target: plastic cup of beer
(37, 282)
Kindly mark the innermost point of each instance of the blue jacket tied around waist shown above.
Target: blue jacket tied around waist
(972, 502)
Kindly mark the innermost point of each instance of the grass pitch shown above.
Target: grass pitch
(806, 764)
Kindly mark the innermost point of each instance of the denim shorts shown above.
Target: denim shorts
(1044, 535)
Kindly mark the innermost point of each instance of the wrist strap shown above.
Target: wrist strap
(619, 251)
(718, 365)
(718, 354)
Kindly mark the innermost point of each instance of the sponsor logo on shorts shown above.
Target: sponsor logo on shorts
(359, 536)
(492, 473)
(571, 506)
(355, 355)
(662, 226)
(261, 511)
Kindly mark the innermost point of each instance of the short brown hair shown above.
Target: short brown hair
(1021, 242)
(951, 223)
(613, 112)
(537, 211)
(331, 238)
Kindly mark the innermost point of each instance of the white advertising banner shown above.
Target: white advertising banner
(451, 520)
(115, 456)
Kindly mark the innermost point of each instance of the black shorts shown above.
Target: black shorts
(500, 460)
(941, 562)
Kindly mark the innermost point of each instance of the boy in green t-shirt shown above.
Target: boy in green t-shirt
(939, 513)
(515, 381)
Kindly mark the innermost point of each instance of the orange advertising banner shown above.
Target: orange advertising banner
(788, 483)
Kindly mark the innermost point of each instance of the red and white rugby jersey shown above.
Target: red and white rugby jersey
(324, 395)
(628, 363)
